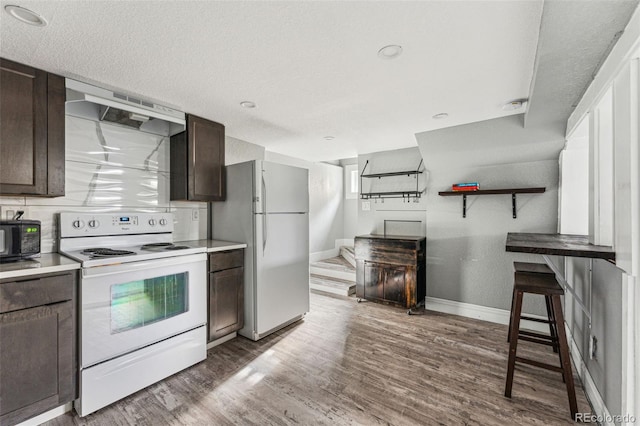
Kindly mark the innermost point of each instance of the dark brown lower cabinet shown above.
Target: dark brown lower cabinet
(38, 369)
(385, 282)
(226, 293)
(391, 269)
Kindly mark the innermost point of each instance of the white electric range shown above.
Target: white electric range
(142, 302)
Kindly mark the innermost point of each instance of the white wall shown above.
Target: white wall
(239, 151)
(574, 184)
(350, 208)
(108, 169)
(326, 202)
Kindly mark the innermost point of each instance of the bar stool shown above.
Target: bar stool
(544, 284)
(538, 268)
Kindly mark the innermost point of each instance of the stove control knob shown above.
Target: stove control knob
(152, 222)
(77, 224)
(163, 222)
(93, 223)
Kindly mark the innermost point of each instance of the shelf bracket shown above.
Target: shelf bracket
(464, 205)
(513, 205)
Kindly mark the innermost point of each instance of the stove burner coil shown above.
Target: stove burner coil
(163, 246)
(106, 252)
(155, 246)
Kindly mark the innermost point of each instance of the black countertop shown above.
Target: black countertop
(558, 245)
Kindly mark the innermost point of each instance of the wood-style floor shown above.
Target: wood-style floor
(350, 363)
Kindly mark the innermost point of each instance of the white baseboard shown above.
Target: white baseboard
(484, 313)
(46, 416)
(590, 389)
(326, 254)
(335, 251)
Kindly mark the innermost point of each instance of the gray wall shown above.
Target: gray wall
(466, 257)
(372, 221)
(606, 316)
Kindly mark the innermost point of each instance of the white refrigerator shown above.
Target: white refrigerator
(267, 207)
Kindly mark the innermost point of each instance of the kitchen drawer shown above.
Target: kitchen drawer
(31, 292)
(222, 260)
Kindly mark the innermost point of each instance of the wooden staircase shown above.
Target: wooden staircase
(336, 275)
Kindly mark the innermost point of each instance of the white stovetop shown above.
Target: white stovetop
(194, 247)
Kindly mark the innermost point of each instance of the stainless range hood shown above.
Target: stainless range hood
(97, 104)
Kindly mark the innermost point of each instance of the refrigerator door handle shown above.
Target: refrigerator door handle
(264, 214)
(264, 194)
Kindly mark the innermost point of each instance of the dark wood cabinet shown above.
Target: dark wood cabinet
(37, 345)
(32, 125)
(226, 293)
(391, 269)
(197, 162)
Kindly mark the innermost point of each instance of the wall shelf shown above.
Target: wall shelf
(512, 191)
(391, 194)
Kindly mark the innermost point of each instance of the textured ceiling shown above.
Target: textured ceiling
(311, 67)
(575, 37)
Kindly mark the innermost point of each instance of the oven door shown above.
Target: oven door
(131, 305)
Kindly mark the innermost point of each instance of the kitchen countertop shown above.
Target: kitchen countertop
(54, 262)
(558, 245)
(213, 245)
(45, 264)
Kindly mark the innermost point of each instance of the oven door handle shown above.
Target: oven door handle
(119, 268)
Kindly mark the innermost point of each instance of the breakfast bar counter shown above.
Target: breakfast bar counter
(558, 245)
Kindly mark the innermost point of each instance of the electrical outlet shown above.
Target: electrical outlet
(8, 214)
(593, 347)
(366, 206)
(195, 215)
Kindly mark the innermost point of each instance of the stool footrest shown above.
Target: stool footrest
(539, 341)
(546, 321)
(537, 335)
(539, 364)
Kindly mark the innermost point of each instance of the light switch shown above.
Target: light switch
(366, 206)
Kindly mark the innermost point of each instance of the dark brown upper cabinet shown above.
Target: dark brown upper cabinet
(197, 162)
(31, 131)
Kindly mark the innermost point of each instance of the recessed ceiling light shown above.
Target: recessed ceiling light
(441, 116)
(247, 104)
(514, 104)
(329, 138)
(25, 15)
(390, 52)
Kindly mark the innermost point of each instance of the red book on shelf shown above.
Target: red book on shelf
(465, 188)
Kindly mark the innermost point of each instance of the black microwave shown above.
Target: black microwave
(19, 239)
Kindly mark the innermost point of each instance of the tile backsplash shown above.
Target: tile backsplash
(109, 169)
